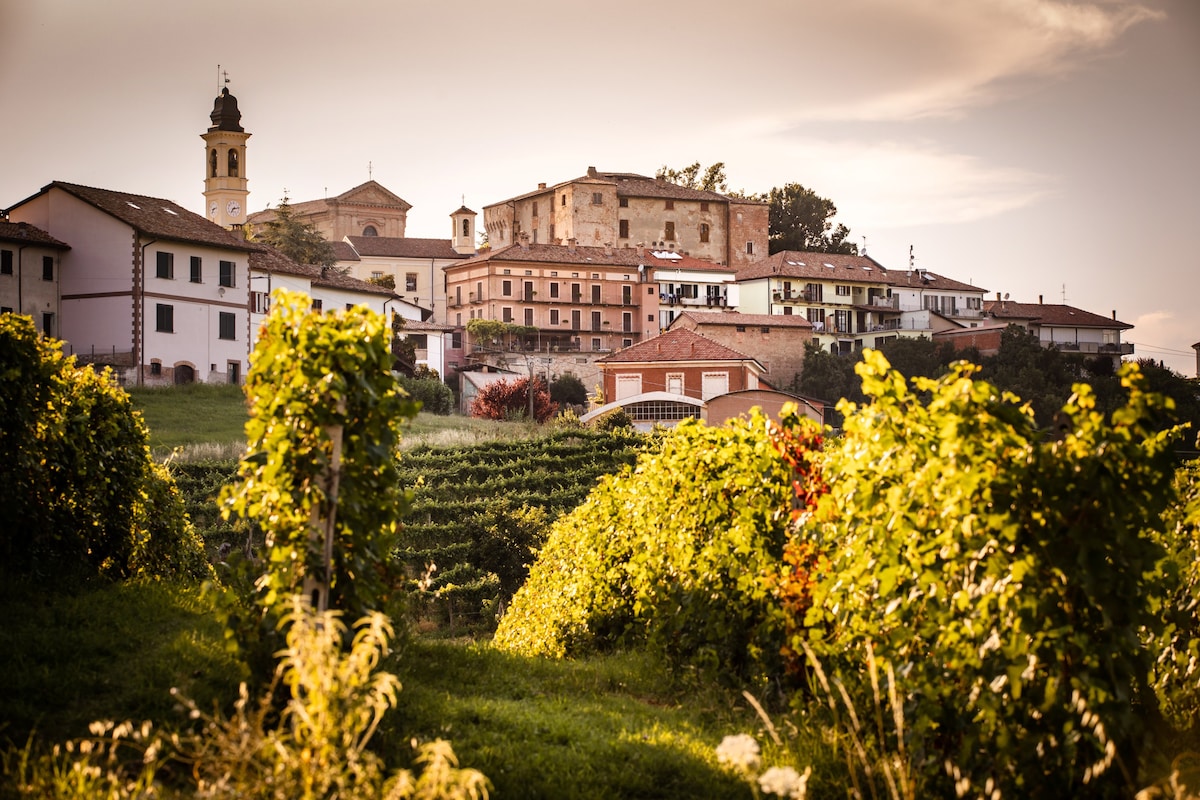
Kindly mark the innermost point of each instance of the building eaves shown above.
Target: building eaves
(1053, 314)
(24, 233)
(154, 217)
(676, 345)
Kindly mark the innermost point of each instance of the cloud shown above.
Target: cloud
(928, 58)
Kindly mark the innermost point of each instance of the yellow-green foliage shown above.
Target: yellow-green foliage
(1005, 576)
(682, 549)
(79, 492)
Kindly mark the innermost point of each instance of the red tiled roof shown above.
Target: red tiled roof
(1057, 315)
(752, 320)
(24, 233)
(630, 184)
(675, 345)
(401, 247)
(343, 251)
(836, 266)
(155, 217)
(592, 256)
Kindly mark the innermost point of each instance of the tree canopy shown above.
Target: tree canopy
(296, 239)
(694, 176)
(800, 219)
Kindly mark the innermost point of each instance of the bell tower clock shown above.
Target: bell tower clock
(225, 189)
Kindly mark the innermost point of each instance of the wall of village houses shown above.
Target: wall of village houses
(427, 287)
(660, 377)
(678, 225)
(27, 291)
(748, 228)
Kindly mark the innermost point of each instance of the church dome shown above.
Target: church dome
(225, 115)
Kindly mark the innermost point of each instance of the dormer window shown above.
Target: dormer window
(233, 163)
(370, 231)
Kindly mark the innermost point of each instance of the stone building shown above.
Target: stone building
(623, 209)
(775, 340)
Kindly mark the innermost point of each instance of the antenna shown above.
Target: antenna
(864, 238)
(1064, 294)
(369, 173)
(911, 258)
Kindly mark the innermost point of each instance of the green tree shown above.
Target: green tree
(386, 281)
(799, 219)
(320, 474)
(694, 176)
(298, 240)
(568, 390)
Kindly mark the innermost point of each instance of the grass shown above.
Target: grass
(206, 422)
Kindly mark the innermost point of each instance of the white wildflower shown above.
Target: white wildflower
(739, 751)
(785, 782)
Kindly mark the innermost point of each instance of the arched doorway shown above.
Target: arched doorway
(185, 373)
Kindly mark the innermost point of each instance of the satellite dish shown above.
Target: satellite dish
(1006, 295)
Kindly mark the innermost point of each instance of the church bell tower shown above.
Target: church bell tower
(225, 189)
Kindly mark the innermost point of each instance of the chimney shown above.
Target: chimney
(608, 248)
(1114, 315)
(524, 240)
(542, 185)
(592, 173)
(571, 245)
(997, 297)
(641, 249)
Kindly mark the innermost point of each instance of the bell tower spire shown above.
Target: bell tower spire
(225, 182)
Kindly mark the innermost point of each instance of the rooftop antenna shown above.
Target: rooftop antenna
(864, 238)
(1064, 294)
(369, 173)
(911, 258)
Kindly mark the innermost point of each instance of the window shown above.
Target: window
(370, 231)
(458, 295)
(233, 163)
(704, 206)
(595, 293)
(749, 248)
(669, 232)
(506, 314)
(226, 276)
(675, 383)
(6, 262)
(317, 306)
(479, 291)
(575, 319)
(5, 309)
(703, 231)
(165, 267)
(843, 291)
(376, 274)
(234, 370)
(623, 202)
(670, 205)
(466, 228)
(595, 344)
(529, 317)
(156, 366)
(195, 270)
(212, 167)
(816, 315)
(456, 337)
(529, 293)
(564, 200)
(164, 318)
(841, 321)
(47, 268)
(626, 295)
(597, 199)
(47, 323)
(627, 322)
(554, 290)
(535, 209)
(627, 343)
(554, 316)
(410, 281)
(623, 228)
(259, 302)
(813, 292)
(227, 325)
(596, 320)
(506, 288)
(576, 293)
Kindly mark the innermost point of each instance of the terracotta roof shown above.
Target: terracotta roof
(152, 216)
(631, 184)
(1054, 314)
(675, 345)
(268, 259)
(306, 207)
(24, 233)
(592, 256)
(401, 247)
(836, 266)
(415, 326)
(737, 318)
(343, 251)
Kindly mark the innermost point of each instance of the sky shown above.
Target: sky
(1043, 149)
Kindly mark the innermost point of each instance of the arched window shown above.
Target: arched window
(466, 228)
(212, 164)
(233, 163)
(370, 231)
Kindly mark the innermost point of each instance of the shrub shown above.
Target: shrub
(616, 419)
(434, 396)
(79, 493)
(568, 390)
(683, 550)
(1005, 577)
(509, 400)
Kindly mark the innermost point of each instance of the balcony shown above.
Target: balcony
(1094, 348)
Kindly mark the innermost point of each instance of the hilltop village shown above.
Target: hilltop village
(665, 296)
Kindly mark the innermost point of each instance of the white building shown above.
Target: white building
(29, 271)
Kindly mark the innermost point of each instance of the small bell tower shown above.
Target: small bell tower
(463, 236)
(225, 189)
